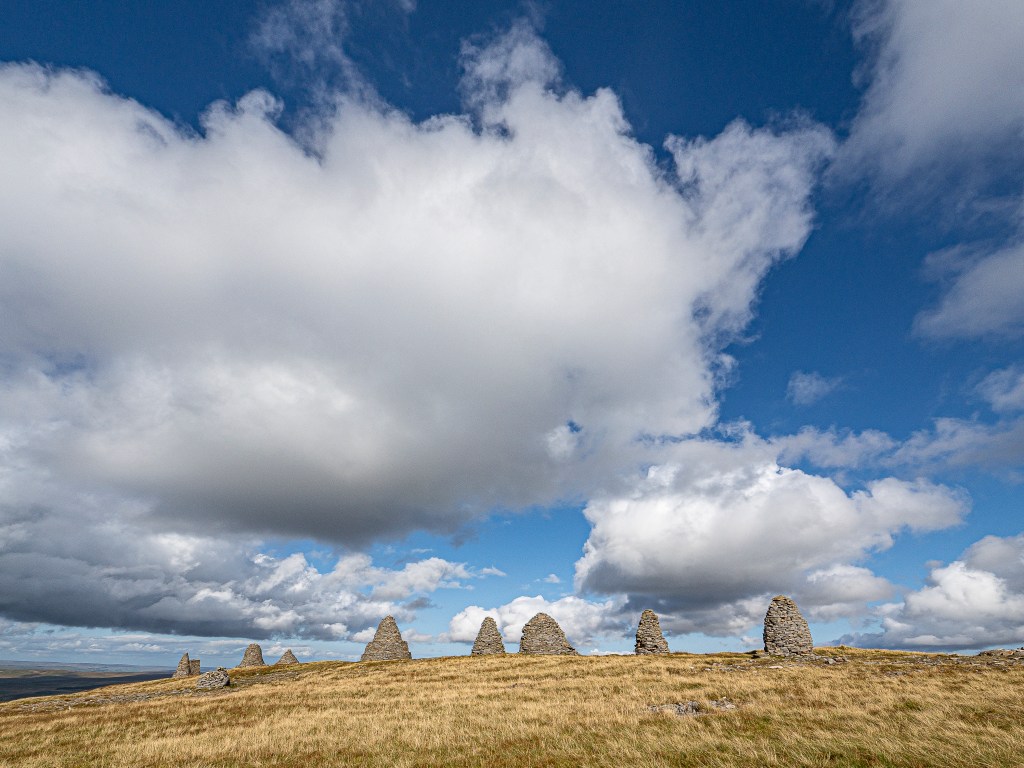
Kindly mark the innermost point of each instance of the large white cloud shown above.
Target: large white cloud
(583, 621)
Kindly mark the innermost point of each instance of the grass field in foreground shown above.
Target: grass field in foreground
(878, 709)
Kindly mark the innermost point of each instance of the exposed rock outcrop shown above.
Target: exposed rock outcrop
(488, 639)
(387, 643)
(785, 631)
(287, 658)
(193, 667)
(218, 678)
(543, 636)
(184, 667)
(253, 656)
(648, 635)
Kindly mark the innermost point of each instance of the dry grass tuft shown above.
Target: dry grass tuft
(879, 709)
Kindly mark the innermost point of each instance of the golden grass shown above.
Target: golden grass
(880, 709)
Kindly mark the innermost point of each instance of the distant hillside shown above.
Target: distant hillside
(19, 679)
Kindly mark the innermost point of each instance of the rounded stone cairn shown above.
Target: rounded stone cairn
(184, 667)
(488, 639)
(649, 639)
(387, 643)
(218, 678)
(785, 631)
(253, 657)
(543, 637)
(286, 658)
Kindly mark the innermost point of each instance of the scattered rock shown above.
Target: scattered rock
(543, 636)
(1005, 653)
(184, 667)
(253, 657)
(387, 643)
(488, 639)
(648, 635)
(287, 658)
(785, 631)
(193, 667)
(218, 678)
(693, 708)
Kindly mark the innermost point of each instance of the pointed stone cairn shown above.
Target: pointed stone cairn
(543, 637)
(184, 667)
(193, 667)
(785, 631)
(488, 639)
(387, 643)
(286, 658)
(649, 639)
(253, 657)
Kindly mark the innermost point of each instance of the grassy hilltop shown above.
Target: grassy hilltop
(876, 709)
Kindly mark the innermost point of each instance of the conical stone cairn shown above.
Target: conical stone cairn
(253, 656)
(184, 667)
(785, 631)
(488, 639)
(286, 658)
(648, 635)
(543, 637)
(387, 643)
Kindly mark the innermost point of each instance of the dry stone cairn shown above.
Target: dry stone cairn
(488, 639)
(543, 636)
(648, 635)
(387, 643)
(184, 667)
(253, 656)
(785, 631)
(286, 658)
(193, 667)
(218, 678)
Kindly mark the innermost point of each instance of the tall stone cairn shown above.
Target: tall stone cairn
(387, 643)
(253, 657)
(184, 667)
(648, 635)
(543, 636)
(286, 658)
(488, 639)
(193, 667)
(785, 631)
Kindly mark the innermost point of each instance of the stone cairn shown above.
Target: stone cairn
(488, 640)
(193, 667)
(785, 631)
(253, 657)
(387, 643)
(286, 658)
(543, 636)
(184, 667)
(648, 635)
(218, 678)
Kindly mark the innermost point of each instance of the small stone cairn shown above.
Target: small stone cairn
(488, 640)
(543, 637)
(387, 643)
(218, 678)
(649, 639)
(184, 667)
(785, 631)
(253, 657)
(286, 658)
(193, 667)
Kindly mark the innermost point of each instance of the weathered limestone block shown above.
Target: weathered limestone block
(287, 658)
(218, 678)
(253, 656)
(184, 667)
(785, 631)
(543, 636)
(488, 639)
(193, 667)
(648, 635)
(387, 643)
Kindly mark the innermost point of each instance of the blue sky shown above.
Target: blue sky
(319, 310)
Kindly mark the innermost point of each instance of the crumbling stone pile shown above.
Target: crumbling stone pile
(184, 668)
(218, 678)
(1005, 653)
(649, 639)
(785, 631)
(543, 636)
(488, 639)
(253, 657)
(286, 658)
(387, 643)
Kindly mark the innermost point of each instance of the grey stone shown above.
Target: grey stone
(543, 636)
(287, 658)
(193, 667)
(649, 639)
(253, 656)
(488, 639)
(387, 643)
(218, 678)
(785, 631)
(184, 667)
